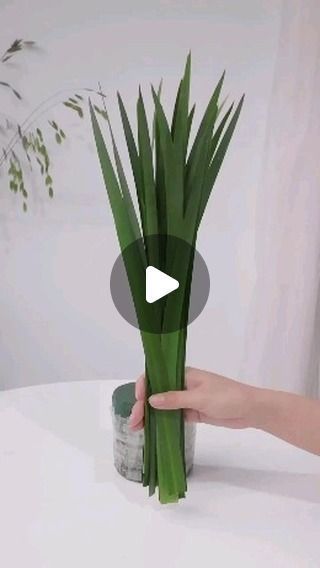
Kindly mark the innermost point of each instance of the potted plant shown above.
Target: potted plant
(173, 181)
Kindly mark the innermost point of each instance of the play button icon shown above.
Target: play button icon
(158, 284)
(167, 287)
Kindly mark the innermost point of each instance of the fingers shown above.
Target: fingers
(167, 401)
(191, 378)
(137, 414)
(140, 390)
(137, 427)
(174, 400)
(136, 424)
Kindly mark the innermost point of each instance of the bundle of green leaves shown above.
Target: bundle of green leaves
(173, 179)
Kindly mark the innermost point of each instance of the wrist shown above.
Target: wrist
(264, 408)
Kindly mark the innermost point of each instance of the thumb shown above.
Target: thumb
(174, 400)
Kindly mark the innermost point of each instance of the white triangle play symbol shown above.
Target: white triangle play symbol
(158, 284)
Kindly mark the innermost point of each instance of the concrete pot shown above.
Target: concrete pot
(128, 445)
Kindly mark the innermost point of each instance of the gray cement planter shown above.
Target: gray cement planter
(128, 445)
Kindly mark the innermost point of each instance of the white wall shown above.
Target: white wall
(56, 314)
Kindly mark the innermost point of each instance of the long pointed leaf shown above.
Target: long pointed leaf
(217, 134)
(119, 211)
(154, 118)
(180, 130)
(213, 104)
(190, 119)
(218, 157)
(149, 190)
(124, 186)
(134, 160)
(198, 158)
(172, 170)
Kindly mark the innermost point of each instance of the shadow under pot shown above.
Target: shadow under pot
(128, 445)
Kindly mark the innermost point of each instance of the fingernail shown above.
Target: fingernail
(157, 400)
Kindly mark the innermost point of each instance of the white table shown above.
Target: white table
(253, 501)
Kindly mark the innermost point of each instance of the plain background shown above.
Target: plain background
(58, 322)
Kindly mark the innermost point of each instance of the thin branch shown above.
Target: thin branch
(26, 124)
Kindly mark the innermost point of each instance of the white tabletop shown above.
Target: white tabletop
(252, 501)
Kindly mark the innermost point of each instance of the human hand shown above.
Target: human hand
(208, 398)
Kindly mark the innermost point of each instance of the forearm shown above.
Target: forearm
(293, 418)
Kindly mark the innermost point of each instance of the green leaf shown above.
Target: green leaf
(134, 160)
(40, 165)
(160, 185)
(120, 214)
(102, 112)
(209, 116)
(8, 86)
(200, 156)
(146, 164)
(180, 130)
(190, 119)
(175, 111)
(74, 107)
(219, 157)
(154, 122)
(58, 138)
(54, 125)
(217, 134)
(124, 186)
(134, 262)
(25, 142)
(50, 191)
(173, 175)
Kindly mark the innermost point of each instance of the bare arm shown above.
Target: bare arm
(290, 417)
